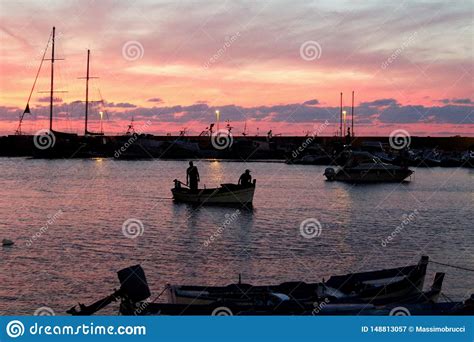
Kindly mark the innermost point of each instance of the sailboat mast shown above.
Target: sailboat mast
(340, 118)
(352, 123)
(52, 83)
(87, 91)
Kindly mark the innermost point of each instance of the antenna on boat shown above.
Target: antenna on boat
(87, 78)
(228, 126)
(352, 123)
(218, 117)
(340, 119)
(131, 129)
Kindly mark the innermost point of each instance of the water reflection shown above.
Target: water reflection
(79, 255)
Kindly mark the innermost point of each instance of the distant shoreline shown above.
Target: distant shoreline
(188, 147)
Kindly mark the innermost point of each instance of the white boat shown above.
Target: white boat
(226, 194)
(363, 167)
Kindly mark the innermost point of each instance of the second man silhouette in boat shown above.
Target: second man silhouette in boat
(245, 179)
(192, 177)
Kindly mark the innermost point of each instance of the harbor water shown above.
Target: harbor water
(76, 222)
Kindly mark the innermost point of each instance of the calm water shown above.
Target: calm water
(75, 256)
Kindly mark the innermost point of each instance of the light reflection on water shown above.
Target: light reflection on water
(76, 257)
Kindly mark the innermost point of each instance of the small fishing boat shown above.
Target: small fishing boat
(226, 194)
(363, 167)
(374, 286)
(356, 288)
(134, 296)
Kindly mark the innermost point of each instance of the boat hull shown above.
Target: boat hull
(370, 176)
(294, 308)
(383, 286)
(226, 195)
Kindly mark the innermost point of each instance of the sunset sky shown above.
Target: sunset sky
(272, 64)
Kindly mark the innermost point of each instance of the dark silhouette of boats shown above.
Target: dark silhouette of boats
(363, 167)
(51, 143)
(264, 300)
(313, 154)
(424, 158)
(377, 149)
(292, 308)
(226, 194)
(468, 158)
(137, 146)
(382, 286)
(146, 146)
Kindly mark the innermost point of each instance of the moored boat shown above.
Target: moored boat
(226, 194)
(374, 286)
(362, 167)
(281, 299)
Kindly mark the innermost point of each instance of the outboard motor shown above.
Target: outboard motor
(133, 283)
(330, 173)
(133, 287)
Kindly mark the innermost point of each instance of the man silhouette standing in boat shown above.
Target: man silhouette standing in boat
(192, 176)
(245, 179)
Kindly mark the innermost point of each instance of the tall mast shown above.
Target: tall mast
(340, 119)
(87, 90)
(352, 124)
(52, 83)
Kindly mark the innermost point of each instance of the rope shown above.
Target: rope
(446, 297)
(453, 266)
(39, 69)
(156, 298)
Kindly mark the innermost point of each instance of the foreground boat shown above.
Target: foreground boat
(381, 286)
(134, 295)
(362, 167)
(226, 194)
